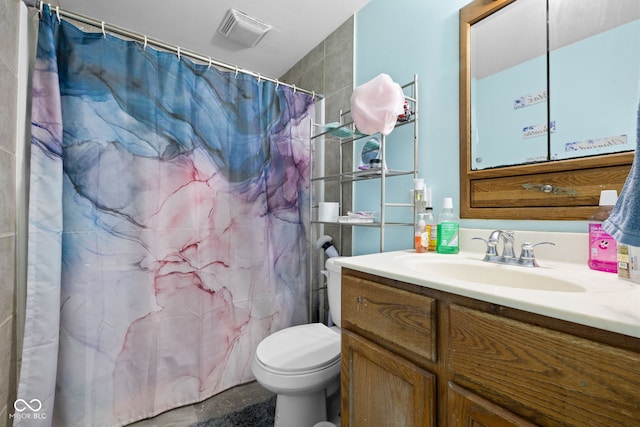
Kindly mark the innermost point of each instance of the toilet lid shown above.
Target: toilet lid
(300, 348)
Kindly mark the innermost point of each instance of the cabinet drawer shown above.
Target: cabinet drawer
(524, 190)
(549, 377)
(402, 321)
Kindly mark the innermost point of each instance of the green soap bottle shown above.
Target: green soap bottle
(448, 228)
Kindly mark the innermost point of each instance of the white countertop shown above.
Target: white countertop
(606, 302)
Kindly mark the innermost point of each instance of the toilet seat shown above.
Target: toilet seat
(299, 349)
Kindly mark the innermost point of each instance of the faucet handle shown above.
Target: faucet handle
(527, 258)
(491, 247)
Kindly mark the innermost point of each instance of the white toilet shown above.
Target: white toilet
(301, 364)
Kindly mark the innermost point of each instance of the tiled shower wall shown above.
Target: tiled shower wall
(328, 69)
(9, 31)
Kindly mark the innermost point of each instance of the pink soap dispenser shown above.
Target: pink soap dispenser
(603, 251)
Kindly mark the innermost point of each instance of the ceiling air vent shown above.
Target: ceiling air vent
(242, 28)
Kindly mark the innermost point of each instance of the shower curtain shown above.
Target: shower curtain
(168, 203)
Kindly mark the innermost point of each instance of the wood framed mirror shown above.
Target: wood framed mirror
(547, 187)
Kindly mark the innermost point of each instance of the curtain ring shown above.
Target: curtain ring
(104, 33)
(40, 11)
(313, 95)
(236, 71)
(294, 88)
(277, 83)
(210, 62)
(259, 77)
(144, 46)
(58, 13)
(178, 53)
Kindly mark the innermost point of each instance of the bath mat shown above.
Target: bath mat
(261, 414)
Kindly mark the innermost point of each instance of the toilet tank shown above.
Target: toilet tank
(334, 286)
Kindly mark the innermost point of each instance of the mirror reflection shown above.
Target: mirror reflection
(566, 90)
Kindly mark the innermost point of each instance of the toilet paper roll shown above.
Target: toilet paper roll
(328, 211)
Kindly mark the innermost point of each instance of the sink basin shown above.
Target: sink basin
(485, 273)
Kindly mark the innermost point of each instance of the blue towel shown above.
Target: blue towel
(624, 222)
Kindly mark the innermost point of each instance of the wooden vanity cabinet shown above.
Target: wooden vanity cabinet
(391, 390)
(389, 329)
(414, 356)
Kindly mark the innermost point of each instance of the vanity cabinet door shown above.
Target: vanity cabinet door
(382, 389)
(468, 409)
(547, 376)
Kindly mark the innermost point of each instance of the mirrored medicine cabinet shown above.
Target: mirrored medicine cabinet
(548, 105)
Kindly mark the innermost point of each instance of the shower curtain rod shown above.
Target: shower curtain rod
(37, 4)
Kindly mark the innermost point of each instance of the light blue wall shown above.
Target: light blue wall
(421, 37)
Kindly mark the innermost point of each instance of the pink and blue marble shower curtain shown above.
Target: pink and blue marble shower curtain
(168, 203)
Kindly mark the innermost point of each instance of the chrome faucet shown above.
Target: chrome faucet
(526, 259)
(492, 246)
